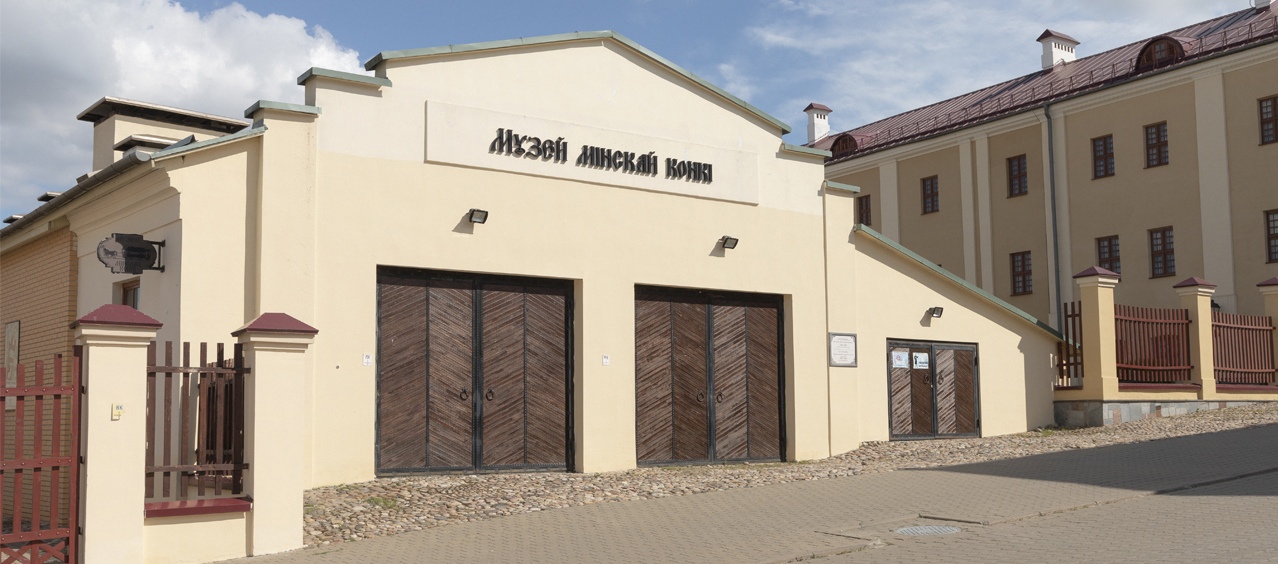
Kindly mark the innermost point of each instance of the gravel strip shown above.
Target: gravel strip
(394, 505)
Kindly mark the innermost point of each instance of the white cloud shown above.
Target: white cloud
(735, 82)
(870, 60)
(59, 56)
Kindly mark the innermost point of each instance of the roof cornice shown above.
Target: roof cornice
(385, 56)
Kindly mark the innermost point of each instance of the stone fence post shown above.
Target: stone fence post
(275, 346)
(1269, 289)
(1100, 354)
(113, 443)
(1195, 296)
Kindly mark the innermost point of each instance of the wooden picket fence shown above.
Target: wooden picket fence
(1243, 348)
(1069, 351)
(1152, 344)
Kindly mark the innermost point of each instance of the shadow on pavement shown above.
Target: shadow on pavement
(1158, 465)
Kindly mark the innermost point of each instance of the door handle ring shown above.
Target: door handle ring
(718, 398)
(489, 396)
(465, 394)
(701, 397)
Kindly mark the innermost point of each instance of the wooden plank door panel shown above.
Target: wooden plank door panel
(762, 326)
(654, 384)
(921, 394)
(691, 397)
(503, 362)
(946, 409)
(450, 347)
(965, 391)
(729, 382)
(402, 378)
(902, 407)
(546, 376)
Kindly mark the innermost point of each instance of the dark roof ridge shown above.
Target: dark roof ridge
(1049, 32)
(869, 128)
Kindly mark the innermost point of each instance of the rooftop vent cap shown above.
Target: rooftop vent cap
(1261, 4)
(1057, 48)
(818, 121)
(48, 196)
(13, 218)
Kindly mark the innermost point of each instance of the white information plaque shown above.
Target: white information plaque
(843, 349)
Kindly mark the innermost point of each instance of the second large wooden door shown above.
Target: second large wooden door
(707, 377)
(933, 390)
(473, 373)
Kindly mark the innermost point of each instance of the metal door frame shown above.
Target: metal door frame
(708, 298)
(931, 347)
(476, 282)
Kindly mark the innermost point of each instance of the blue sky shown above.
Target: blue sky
(865, 59)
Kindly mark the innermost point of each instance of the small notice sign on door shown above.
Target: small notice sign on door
(843, 349)
(900, 359)
(920, 361)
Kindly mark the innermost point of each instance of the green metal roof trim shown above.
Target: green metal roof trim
(565, 37)
(842, 186)
(270, 105)
(954, 278)
(805, 150)
(346, 76)
(241, 134)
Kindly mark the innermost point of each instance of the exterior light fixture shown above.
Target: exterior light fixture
(1215, 307)
(728, 242)
(936, 311)
(478, 216)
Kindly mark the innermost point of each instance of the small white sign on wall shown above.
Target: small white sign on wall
(843, 349)
(920, 361)
(900, 359)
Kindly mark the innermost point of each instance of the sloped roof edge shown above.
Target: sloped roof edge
(384, 56)
(879, 238)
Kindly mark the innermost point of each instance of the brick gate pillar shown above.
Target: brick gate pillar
(113, 423)
(1100, 353)
(1195, 296)
(275, 346)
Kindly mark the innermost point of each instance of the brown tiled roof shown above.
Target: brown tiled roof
(816, 106)
(1052, 33)
(1239, 30)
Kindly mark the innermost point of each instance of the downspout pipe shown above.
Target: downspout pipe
(1051, 182)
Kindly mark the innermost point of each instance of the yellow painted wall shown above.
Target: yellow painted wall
(1018, 223)
(1137, 199)
(937, 236)
(195, 538)
(1253, 178)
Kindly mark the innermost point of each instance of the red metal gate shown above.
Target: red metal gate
(39, 474)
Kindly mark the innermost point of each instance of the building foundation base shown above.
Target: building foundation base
(1099, 413)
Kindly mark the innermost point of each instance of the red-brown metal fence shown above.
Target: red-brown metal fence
(195, 425)
(1069, 352)
(1243, 348)
(1152, 344)
(39, 474)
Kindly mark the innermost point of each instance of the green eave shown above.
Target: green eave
(805, 150)
(566, 37)
(282, 106)
(241, 134)
(841, 186)
(955, 279)
(343, 76)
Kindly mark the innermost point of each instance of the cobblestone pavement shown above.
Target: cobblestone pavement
(1198, 497)
(396, 505)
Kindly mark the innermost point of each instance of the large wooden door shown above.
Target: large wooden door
(473, 372)
(932, 390)
(707, 377)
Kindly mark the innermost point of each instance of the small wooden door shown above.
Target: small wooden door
(707, 377)
(932, 390)
(473, 372)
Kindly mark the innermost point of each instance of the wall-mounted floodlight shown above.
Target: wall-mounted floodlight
(936, 311)
(728, 242)
(478, 216)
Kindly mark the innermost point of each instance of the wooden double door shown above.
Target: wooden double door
(473, 372)
(708, 377)
(933, 390)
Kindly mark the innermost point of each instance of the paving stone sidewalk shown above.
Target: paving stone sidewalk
(839, 517)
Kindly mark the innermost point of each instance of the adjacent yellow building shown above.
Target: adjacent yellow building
(1157, 160)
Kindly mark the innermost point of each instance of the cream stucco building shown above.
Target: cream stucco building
(1157, 159)
(559, 252)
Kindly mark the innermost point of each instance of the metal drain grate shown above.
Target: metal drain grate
(928, 530)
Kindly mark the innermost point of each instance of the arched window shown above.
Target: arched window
(844, 145)
(1159, 52)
